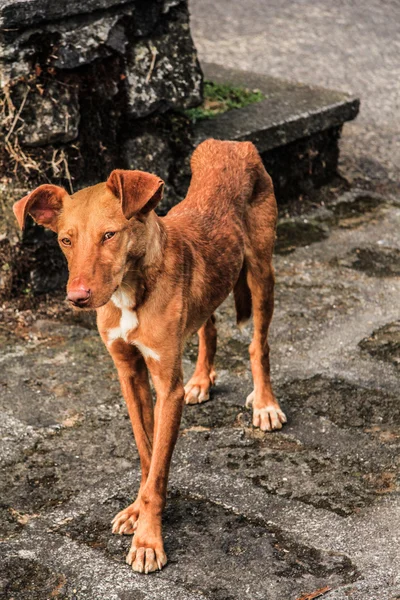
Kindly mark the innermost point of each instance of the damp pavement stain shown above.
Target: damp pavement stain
(249, 514)
(384, 344)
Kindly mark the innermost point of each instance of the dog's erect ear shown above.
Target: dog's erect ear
(43, 204)
(138, 191)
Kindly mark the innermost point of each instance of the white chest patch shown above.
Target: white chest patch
(128, 320)
(127, 323)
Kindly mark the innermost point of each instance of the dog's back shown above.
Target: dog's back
(225, 178)
(231, 200)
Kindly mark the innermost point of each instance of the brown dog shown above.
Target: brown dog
(155, 281)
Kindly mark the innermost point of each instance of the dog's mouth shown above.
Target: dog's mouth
(79, 303)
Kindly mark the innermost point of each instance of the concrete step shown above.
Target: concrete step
(296, 128)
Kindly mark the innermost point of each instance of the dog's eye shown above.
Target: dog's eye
(66, 241)
(108, 235)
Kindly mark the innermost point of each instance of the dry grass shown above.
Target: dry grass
(20, 163)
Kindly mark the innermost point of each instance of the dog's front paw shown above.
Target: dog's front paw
(146, 555)
(268, 417)
(198, 387)
(125, 522)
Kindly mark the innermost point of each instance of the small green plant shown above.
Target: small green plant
(219, 98)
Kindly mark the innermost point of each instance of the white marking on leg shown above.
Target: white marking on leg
(242, 324)
(145, 350)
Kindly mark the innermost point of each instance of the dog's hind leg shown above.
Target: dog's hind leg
(259, 228)
(197, 388)
(267, 413)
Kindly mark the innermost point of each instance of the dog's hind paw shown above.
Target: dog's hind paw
(267, 418)
(197, 389)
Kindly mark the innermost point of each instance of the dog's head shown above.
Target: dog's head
(98, 228)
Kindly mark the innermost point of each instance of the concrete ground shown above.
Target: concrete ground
(310, 511)
(349, 46)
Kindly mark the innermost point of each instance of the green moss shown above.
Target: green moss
(219, 98)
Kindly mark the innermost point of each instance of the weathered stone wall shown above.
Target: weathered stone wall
(87, 87)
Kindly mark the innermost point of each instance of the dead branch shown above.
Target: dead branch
(17, 115)
(152, 64)
(316, 594)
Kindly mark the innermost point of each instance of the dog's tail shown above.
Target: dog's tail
(242, 295)
(260, 226)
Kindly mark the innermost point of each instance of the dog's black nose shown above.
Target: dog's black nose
(78, 296)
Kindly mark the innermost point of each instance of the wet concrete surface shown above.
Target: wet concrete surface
(384, 343)
(249, 515)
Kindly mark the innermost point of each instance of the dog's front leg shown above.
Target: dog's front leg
(134, 380)
(147, 550)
